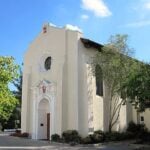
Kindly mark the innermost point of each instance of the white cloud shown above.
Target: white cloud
(142, 9)
(138, 24)
(143, 5)
(53, 25)
(147, 5)
(85, 17)
(71, 27)
(98, 7)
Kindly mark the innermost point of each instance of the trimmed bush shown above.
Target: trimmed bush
(136, 128)
(139, 131)
(98, 136)
(128, 135)
(55, 137)
(143, 135)
(71, 136)
(87, 140)
(114, 136)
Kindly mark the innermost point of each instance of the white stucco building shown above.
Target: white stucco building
(59, 91)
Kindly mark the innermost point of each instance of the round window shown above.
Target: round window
(47, 64)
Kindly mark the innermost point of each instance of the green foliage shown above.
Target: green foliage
(8, 72)
(14, 121)
(96, 137)
(123, 74)
(114, 61)
(138, 87)
(18, 84)
(136, 128)
(87, 140)
(139, 131)
(99, 137)
(117, 136)
(55, 137)
(71, 136)
(116, 66)
(133, 132)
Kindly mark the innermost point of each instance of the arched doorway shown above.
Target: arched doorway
(43, 119)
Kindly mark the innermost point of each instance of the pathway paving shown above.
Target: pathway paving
(9, 143)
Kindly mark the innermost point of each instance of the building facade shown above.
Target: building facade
(59, 90)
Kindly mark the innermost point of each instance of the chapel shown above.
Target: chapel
(59, 90)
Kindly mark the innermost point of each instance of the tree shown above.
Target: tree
(18, 94)
(8, 72)
(138, 87)
(18, 84)
(14, 122)
(116, 66)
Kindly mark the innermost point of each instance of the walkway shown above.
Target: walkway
(15, 143)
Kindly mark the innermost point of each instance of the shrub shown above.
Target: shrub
(55, 137)
(113, 136)
(117, 136)
(98, 136)
(143, 134)
(19, 134)
(135, 128)
(132, 127)
(128, 135)
(87, 140)
(98, 132)
(71, 136)
(139, 131)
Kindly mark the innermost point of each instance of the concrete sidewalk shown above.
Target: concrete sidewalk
(6, 140)
(16, 143)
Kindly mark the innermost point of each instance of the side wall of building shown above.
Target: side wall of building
(141, 117)
(90, 104)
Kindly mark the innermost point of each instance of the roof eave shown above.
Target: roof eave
(91, 44)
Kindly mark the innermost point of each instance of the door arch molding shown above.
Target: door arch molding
(37, 96)
(51, 103)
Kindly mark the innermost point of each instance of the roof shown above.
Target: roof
(91, 44)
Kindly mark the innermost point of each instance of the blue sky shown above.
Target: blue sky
(22, 20)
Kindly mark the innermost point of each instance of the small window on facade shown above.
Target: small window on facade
(142, 118)
(47, 64)
(99, 81)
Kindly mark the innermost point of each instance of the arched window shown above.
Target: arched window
(99, 80)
